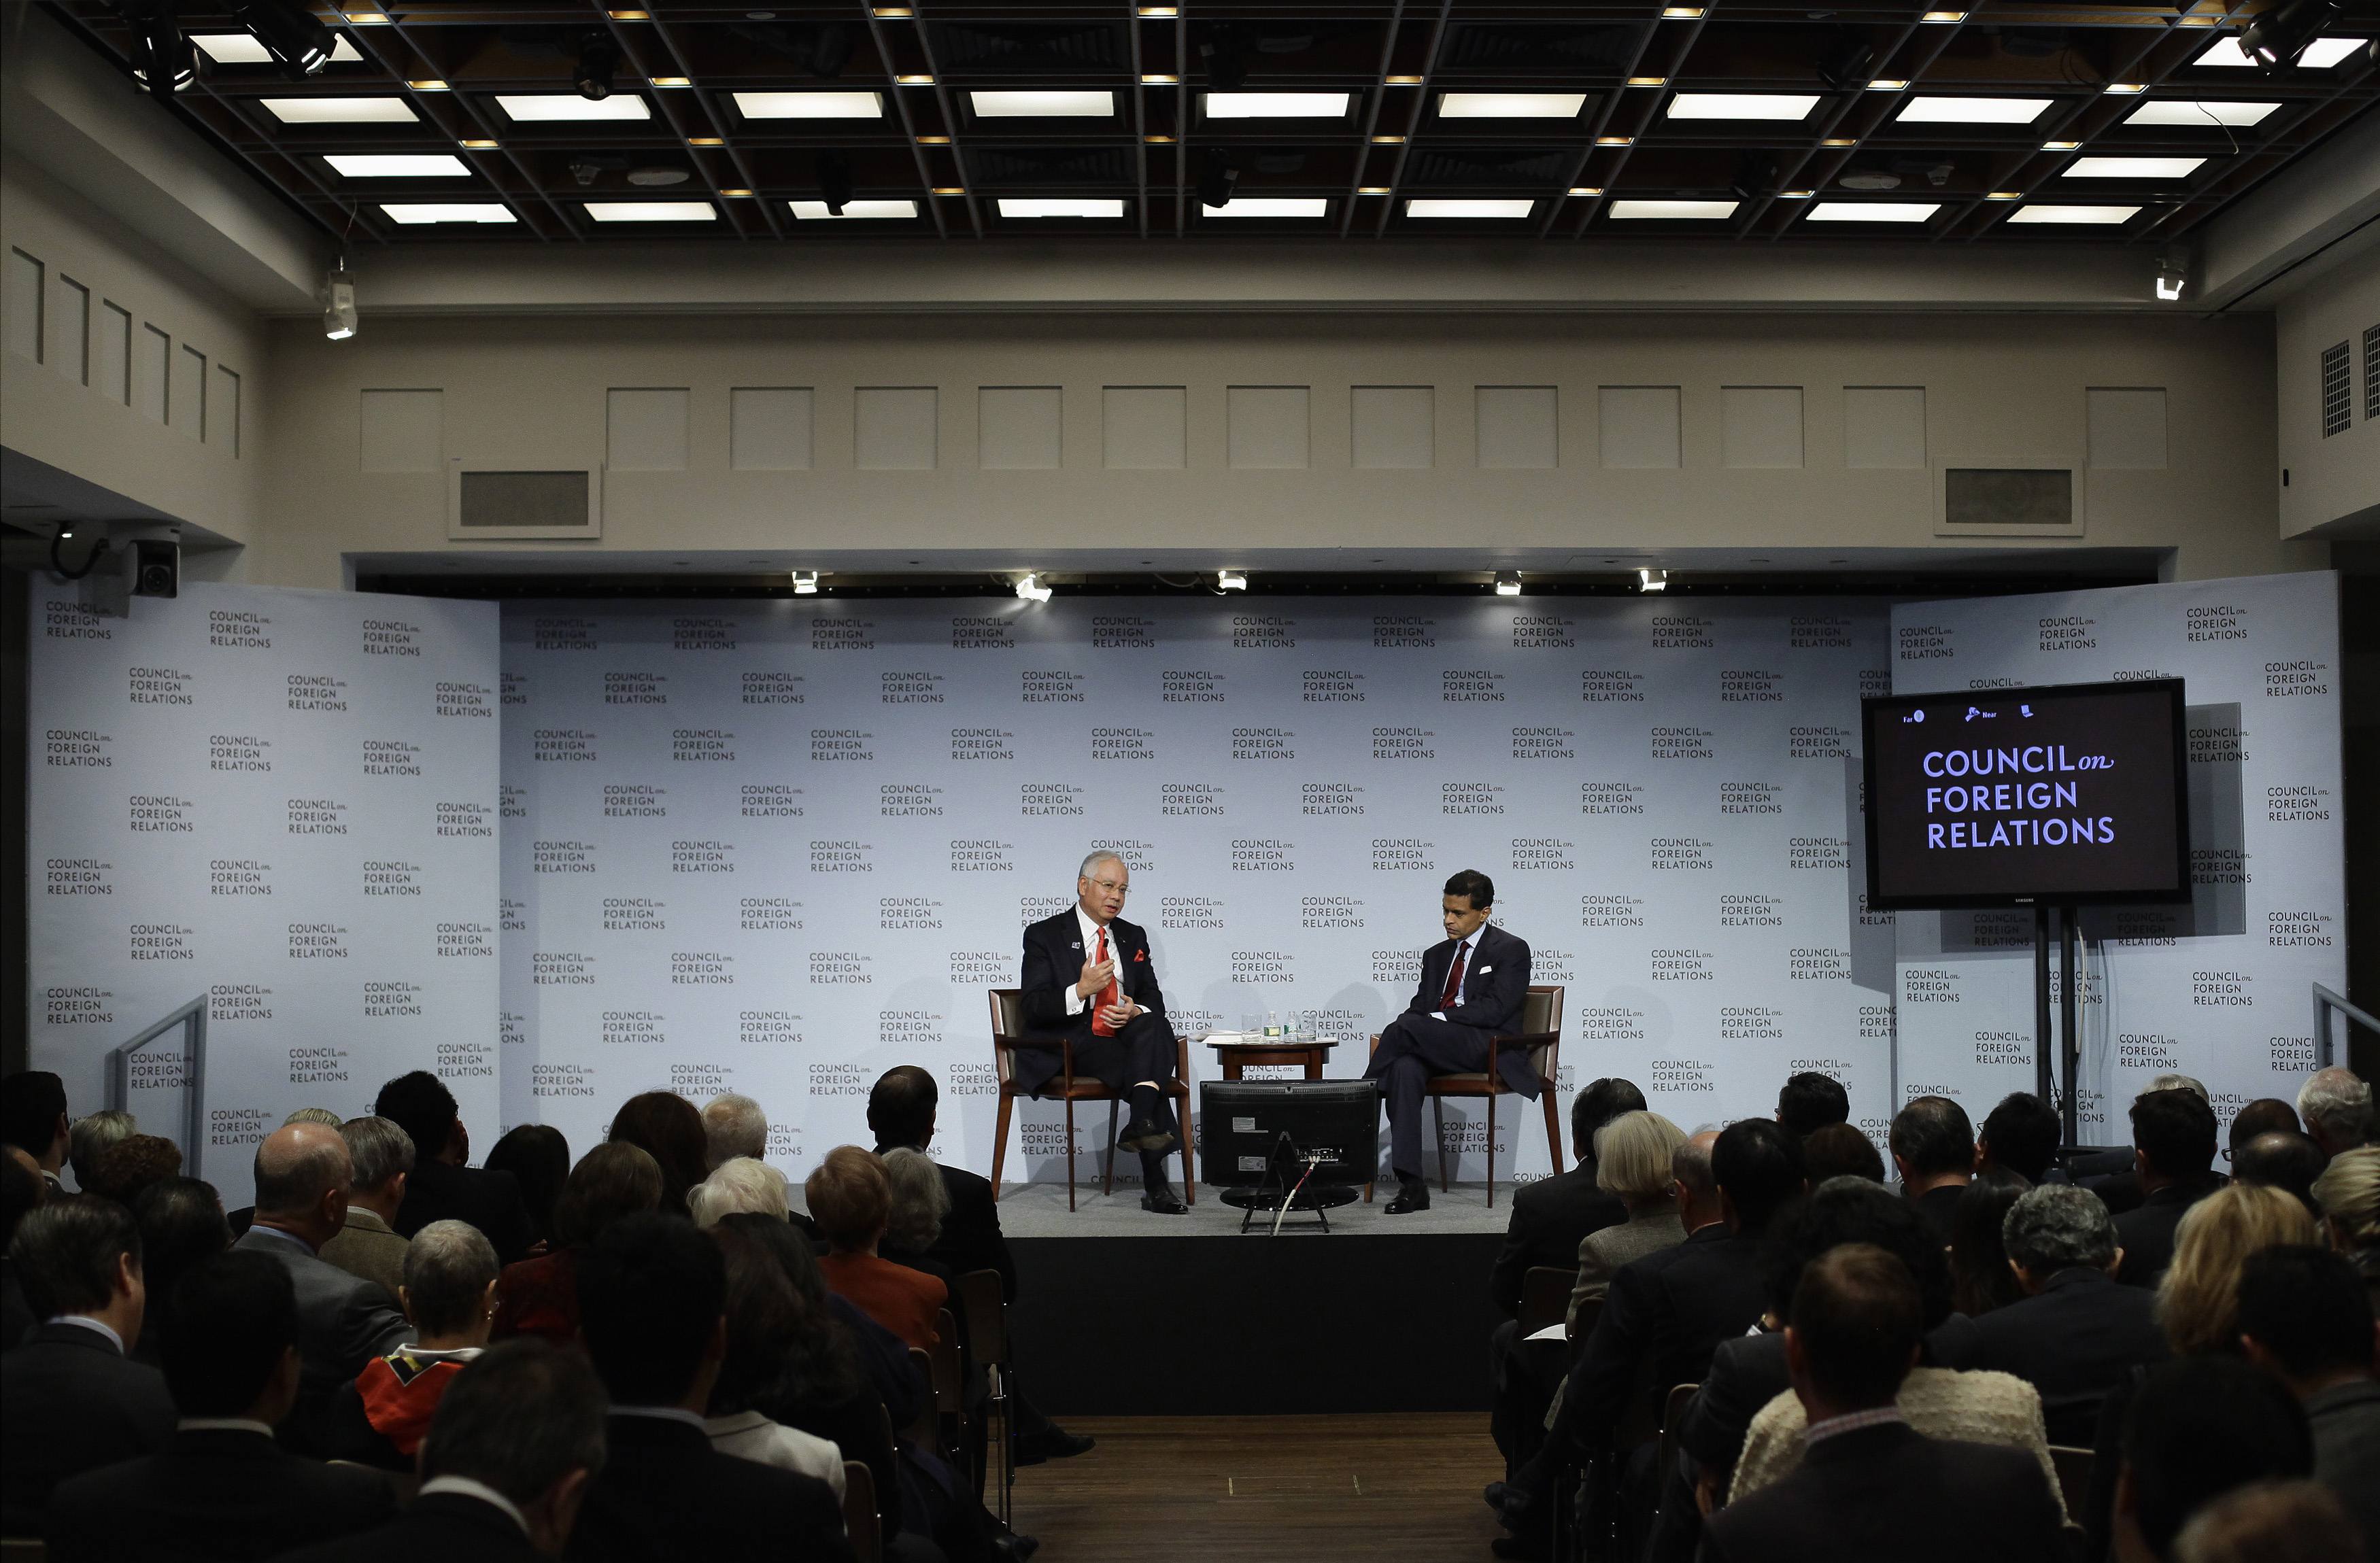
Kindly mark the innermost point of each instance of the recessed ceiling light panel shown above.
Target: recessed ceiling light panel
(245, 48)
(2200, 113)
(1057, 206)
(2132, 169)
(1742, 106)
(1931, 109)
(411, 213)
(1873, 210)
(1441, 206)
(1510, 105)
(1271, 206)
(1277, 106)
(1003, 105)
(341, 111)
(809, 105)
(530, 108)
(2225, 54)
(1673, 211)
(2320, 55)
(397, 165)
(2075, 216)
(860, 210)
(651, 211)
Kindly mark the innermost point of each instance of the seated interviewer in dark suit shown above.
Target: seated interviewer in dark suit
(221, 1489)
(1869, 1486)
(2075, 1334)
(70, 1398)
(652, 1310)
(444, 1186)
(1088, 977)
(505, 1471)
(344, 1321)
(2173, 1152)
(1473, 987)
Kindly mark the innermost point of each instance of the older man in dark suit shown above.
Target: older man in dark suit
(1088, 975)
(70, 1398)
(1869, 1486)
(344, 1321)
(1473, 987)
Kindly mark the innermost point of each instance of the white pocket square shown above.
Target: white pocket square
(1483, 971)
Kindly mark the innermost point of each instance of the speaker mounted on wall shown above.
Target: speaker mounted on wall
(510, 502)
(1997, 497)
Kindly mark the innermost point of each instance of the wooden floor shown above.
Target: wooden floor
(1398, 1488)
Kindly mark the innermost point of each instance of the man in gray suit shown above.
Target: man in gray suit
(303, 1174)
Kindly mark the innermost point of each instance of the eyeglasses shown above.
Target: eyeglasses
(1110, 885)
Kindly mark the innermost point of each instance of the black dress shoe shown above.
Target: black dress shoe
(1052, 1443)
(1495, 1494)
(1147, 1138)
(1410, 1198)
(1164, 1202)
(1011, 1547)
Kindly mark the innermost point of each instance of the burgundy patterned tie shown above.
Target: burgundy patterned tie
(1453, 979)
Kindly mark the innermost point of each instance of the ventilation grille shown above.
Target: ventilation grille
(2337, 402)
(1529, 168)
(2371, 373)
(518, 500)
(1031, 51)
(2031, 497)
(1033, 168)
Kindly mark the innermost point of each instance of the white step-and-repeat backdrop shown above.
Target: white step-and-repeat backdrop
(2221, 987)
(283, 803)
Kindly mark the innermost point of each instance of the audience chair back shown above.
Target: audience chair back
(2073, 1467)
(949, 1379)
(1540, 1038)
(860, 1520)
(1674, 1415)
(925, 1432)
(1545, 1297)
(987, 1314)
(1009, 1035)
(1582, 1327)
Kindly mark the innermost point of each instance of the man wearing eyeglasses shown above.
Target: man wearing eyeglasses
(1088, 977)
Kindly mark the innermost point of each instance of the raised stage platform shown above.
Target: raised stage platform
(1123, 1313)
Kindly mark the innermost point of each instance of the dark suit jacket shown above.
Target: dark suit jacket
(344, 1321)
(1495, 986)
(17, 1319)
(1882, 1492)
(2146, 1234)
(216, 1493)
(1663, 1318)
(441, 1528)
(2346, 1422)
(71, 1403)
(1054, 957)
(1550, 1217)
(664, 1494)
(490, 1201)
(2079, 1337)
(1939, 1207)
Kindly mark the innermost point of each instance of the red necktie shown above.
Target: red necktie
(1108, 995)
(1453, 979)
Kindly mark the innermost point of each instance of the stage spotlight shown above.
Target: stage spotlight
(2280, 35)
(834, 181)
(2173, 275)
(338, 298)
(293, 35)
(162, 58)
(1652, 580)
(1507, 583)
(805, 583)
(1230, 580)
(1032, 590)
(599, 57)
(1850, 63)
(1219, 179)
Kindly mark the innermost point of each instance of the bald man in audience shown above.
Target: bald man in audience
(303, 1176)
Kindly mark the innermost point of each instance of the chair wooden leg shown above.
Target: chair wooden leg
(1438, 1126)
(1000, 1141)
(1070, 1153)
(1553, 1129)
(1107, 1180)
(1189, 1168)
(1491, 1150)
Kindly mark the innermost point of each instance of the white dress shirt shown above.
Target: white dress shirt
(466, 1487)
(750, 1435)
(1468, 948)
(1077, 1003)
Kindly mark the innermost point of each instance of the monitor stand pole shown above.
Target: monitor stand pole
(2069, 964)
(2045, 1041)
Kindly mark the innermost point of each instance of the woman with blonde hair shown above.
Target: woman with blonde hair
(2198, 1301)
(2348, 1193)
(1634, 1159)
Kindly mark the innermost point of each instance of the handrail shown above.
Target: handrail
(192, 1020)
(2324, 1000)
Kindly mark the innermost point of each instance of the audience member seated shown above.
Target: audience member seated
(90, 1134)
(181, 1222)
(344, 1321)
(33, 1119)
(20, 1195)
(1552, 1216)
(449, 1292)
(739, 1186)
(71, 1400)
(369, 1245)
(2302, 1521)
(1666, 1313)
(1810, 1101)
(1663, 1182)
(850, 1200)
(321, 1115)
(1869, 1483)
(505, 1470)
(2073, 1334)
(221, 1488)
(540, 1296)
(2337, 1105)
(734, 1126)
(2173, 1150)
(1841, 1150)
(2198, 1428)
(2260, 1116)
(2284, 1160)
(538, 1159)
(2348, 1193)
(1980, 1276)
(2021, 1135)
(652, 1307)
(1934, 1150)
(763, 1319)
(2305, 1317)
(1748, 1372)
(133, 1164)
(671, 1130)
(916, 1201)
(444, 1185)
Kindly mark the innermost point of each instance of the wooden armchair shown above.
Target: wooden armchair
(1009, 1035)
(1541, 1038)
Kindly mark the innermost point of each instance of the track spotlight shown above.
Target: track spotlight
(2173, 275)
(1507, 583)
(1031, 589)
(1652, 580)
(162, 58)
(295, 37)
(1850, 65)
(599, 59)
(834, 181)
(2280, 35)
(338, 298)
(1230, 580)
(1219, 179)
(805, 583)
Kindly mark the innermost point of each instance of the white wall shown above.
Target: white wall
(536, 392)
(2332, 478)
